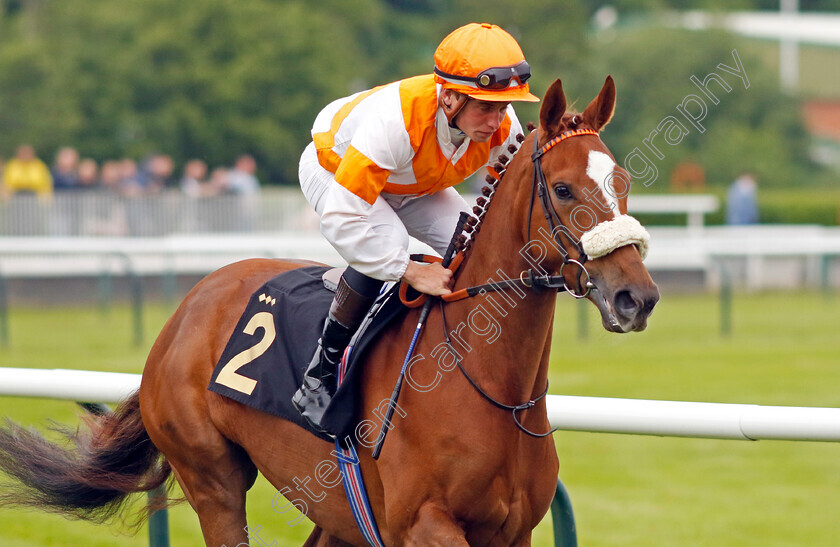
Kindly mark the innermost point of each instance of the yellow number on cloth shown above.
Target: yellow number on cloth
(228, 375)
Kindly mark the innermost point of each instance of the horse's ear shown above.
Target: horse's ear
(553, 108)
(600, 110)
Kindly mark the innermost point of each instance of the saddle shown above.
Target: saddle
(264, 360)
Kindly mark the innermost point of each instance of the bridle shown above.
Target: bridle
(539, 188)
(530, 278)
(555, 224)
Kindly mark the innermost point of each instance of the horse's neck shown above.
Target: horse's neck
(510, 330)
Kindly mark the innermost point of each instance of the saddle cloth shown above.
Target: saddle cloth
(263, 363)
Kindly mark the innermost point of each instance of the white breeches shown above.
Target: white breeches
(377, 246)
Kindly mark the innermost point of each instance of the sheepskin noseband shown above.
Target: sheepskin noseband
(609, 235)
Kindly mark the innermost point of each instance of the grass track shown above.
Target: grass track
(626, 490)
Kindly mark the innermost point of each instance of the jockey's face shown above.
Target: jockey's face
(481, 119)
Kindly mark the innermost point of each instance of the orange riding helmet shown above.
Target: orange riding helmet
(483, 62)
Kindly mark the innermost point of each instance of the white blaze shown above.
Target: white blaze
(600, 169)
(622, 230)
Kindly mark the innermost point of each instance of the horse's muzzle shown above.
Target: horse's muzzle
(626, 309)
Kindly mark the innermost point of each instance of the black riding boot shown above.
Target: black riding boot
(347, 312)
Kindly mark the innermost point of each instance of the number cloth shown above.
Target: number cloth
(263, 362)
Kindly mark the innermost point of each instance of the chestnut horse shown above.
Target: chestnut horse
(454, 470)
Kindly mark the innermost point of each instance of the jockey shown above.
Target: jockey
(381, 167)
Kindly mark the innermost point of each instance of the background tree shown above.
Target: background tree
(757, 129)
(214, 78)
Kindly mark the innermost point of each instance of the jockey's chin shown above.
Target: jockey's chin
(480, 136)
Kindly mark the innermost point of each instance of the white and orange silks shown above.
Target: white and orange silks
(381, 167)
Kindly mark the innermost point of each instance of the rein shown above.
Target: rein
(528, 279)
(513, 408)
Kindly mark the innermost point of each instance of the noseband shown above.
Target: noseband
(555, 224)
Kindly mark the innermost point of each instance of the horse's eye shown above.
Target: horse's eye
(562, 192)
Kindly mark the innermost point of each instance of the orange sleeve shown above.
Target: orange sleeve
(360, 175)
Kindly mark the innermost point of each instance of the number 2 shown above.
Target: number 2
(228, 375)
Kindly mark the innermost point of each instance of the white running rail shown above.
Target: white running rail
(596, 414)
(687, 419)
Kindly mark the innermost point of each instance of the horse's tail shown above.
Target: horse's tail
(90, 479)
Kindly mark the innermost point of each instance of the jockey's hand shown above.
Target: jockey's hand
(431, 279)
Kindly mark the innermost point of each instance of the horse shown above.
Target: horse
(469, 459)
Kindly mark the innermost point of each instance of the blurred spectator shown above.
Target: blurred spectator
(110, 216)
(88, 174)
(110, 176)
(218, 185)
(242, 180)
(219, 180)
(26, 173)
(194, 183)
(161, 170)
(241, 183)
(129, 184)
(155, 174)
(742, 201)
(64, 170)
(65, 175)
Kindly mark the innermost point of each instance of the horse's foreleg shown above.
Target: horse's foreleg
(434, 527)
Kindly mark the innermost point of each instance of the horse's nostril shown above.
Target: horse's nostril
(625, 304)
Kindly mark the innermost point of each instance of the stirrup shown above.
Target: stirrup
(317, 389)
(312, 404)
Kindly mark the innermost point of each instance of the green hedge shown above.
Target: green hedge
(809, 206)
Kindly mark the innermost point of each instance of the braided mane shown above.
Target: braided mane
(473, 225)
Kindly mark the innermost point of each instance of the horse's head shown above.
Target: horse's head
(581, 193)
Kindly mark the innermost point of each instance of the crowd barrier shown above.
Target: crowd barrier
(105, 214)
(100, 213)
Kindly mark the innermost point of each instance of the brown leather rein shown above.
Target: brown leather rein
(527, 278)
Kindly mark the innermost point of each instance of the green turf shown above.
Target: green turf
(626, 490)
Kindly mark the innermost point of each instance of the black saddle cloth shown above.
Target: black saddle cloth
(263, 363)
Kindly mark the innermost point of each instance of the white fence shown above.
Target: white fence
(107, 214)
(757, 256)
(72, 385)
(688, 419)
(596, 414)
(277, 209)
(171, 234)
(695, 207)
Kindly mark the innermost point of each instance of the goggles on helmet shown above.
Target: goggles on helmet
(495, 78)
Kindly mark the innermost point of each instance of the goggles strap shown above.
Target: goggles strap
(510, 75)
